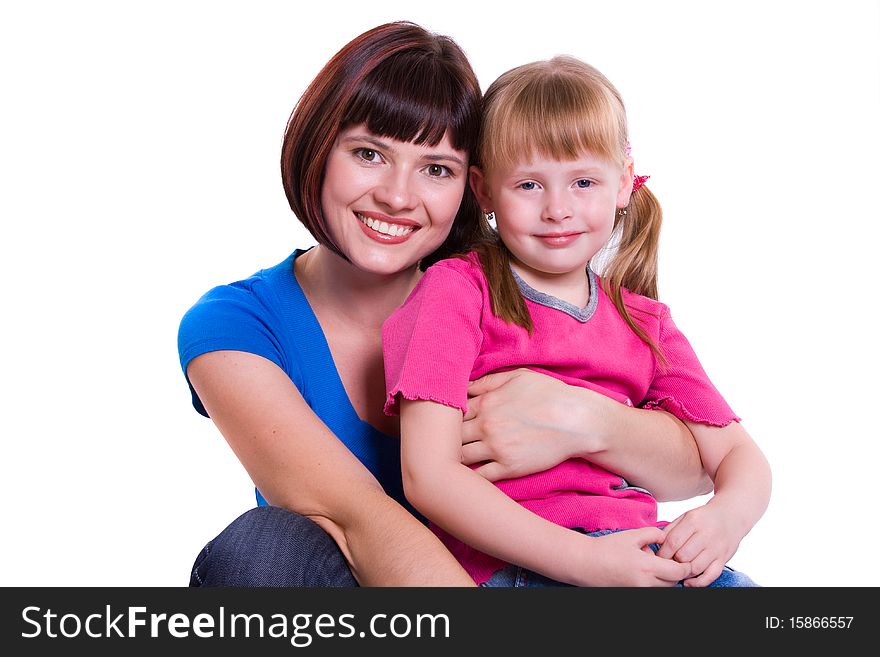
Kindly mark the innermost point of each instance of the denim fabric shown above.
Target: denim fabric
(271, 547)
(515, 576)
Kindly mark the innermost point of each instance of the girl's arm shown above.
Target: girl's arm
(298, 463)
(523, 422)
(478, 513)
(740, 472)
(709, 535)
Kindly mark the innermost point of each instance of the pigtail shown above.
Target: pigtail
(633, 264)
(506, 299)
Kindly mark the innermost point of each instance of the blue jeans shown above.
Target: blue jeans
(270, 546)
(515, 576)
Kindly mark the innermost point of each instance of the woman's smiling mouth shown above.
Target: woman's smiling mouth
(388, 230)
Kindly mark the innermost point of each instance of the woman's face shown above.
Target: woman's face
(388, 203)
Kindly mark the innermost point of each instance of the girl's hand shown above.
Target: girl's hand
(518, 423)
(626, 559)
(704, 538)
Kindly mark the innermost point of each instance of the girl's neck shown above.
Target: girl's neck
(571, 286)
(333, 285)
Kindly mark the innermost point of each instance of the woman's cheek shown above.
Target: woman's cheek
(451, 202)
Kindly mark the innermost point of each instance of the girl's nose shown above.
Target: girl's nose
(557, 207)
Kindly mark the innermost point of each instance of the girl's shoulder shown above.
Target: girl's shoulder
(643, 303)
(465, 266)
(650, 313)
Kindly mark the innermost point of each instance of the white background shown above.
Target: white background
(139, 147)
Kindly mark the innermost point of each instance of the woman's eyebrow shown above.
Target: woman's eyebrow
(445, 157)
(378, 143)
(385, 146)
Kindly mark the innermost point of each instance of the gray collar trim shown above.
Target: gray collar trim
(580, 314)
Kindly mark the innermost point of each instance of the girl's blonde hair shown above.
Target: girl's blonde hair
(561, 108)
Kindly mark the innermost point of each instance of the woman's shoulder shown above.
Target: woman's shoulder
(256, 314)
(264, 289)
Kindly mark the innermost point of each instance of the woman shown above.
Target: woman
(288, 363)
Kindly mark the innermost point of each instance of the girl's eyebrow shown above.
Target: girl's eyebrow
(385, 146)
(526, 172)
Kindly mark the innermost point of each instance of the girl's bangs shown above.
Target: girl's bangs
(562, 132)
(557, 109)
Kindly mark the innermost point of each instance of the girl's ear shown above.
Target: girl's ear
(480, 188)
(626, 184)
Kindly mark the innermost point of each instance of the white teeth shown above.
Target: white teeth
(393, 230)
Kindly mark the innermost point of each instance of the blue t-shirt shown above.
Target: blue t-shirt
(268, 315)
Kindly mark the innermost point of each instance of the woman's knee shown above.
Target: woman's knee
(271, 546)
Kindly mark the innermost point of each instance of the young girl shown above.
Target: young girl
(554, 169)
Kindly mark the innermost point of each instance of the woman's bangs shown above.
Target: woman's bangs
(416, 107)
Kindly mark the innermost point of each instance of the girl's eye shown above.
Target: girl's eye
(438, 171)
(584, 183)
(528, 186)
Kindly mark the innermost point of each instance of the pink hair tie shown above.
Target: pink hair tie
(638, 181)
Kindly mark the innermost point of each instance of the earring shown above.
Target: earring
(489, 216)
(621, 212)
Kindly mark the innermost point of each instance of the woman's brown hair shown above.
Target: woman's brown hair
(559, 109)
(402, 82)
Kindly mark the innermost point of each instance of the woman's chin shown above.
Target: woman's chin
(386, 262)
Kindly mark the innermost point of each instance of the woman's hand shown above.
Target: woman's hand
(298, 463)
(518, 423)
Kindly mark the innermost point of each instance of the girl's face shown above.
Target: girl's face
(554, 215)
(389, 203)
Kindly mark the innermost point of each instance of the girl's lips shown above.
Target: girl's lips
(558, 239)
(378, 229)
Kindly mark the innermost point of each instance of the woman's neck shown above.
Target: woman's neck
(336, 286)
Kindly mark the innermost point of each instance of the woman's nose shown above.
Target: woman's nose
(394, 190)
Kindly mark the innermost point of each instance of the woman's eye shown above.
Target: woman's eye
(528, 186)
(438, 171)
(367, 154)
(584, 183)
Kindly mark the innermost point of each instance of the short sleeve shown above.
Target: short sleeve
(431, 342)
(229, 317)
(681, 386)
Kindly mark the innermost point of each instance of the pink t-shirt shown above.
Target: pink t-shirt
(445, 335)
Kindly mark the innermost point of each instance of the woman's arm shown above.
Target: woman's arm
(521, 422)
(478, 513)
(298, 463)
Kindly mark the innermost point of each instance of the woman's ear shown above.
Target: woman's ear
(626, 184)
(480, 188)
